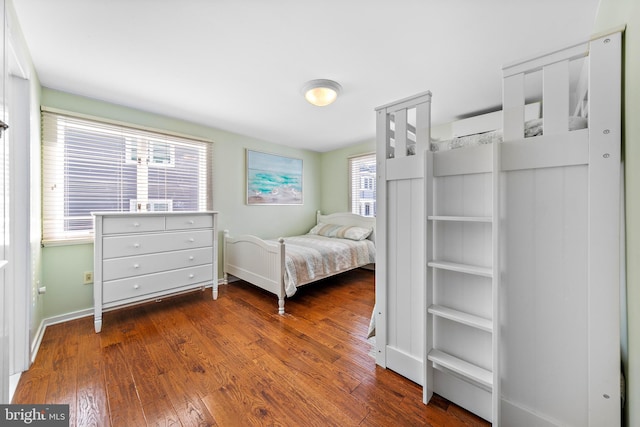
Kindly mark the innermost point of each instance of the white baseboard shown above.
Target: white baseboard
(37, 339)
(13, 384)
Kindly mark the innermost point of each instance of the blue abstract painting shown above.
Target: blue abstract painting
(273, 179)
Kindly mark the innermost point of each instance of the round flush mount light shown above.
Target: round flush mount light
(321, 92)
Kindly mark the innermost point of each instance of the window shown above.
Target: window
(91, 166)
(362, 173)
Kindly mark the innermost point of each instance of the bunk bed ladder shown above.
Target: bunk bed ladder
(461, 237)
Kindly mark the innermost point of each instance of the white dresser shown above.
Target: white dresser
(145, 256)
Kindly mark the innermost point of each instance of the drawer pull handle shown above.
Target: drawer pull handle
(191, 276)
(191, 222)
(136, 224)
(192, 240)
(136, 265)
(191, 258)
(136, 245)
(136, 286)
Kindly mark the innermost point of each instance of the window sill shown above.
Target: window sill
(67, 242)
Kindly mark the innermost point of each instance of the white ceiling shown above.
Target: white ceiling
(239, 65)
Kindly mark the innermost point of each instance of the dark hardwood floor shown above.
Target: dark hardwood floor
(190, 360)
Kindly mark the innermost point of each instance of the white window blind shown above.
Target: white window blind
(362, 194)
(90, 166)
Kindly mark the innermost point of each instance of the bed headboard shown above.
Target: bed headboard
(348, 218)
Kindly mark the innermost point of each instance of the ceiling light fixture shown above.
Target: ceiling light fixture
(321, 92)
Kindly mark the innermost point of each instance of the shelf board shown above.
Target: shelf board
(462, 268)
(462, 317)
(486, 219)
(466, 370)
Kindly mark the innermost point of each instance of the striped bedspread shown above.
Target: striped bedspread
(310, 257)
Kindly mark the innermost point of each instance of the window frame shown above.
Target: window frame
(371, 179)
(153, 136)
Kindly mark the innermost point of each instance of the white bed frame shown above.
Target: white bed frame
(262, 263)
(516, 315)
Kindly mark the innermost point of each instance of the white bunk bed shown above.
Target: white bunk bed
(339, 242)
(520, 302)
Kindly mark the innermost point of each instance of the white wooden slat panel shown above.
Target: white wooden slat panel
(537, 62)
(513, 107)
(464, 369)
(475, 195)
(544, 151)
(430, 207)
(543, 316)
(417, 308)
(445, 187)
(468, 396)
(464, 292)
(405, 286)
(462, 317)
(513, 414)
(469, 344)
(407, 167)
(556, 98)
(405, 364)
(392, 263)
(485, 219)
(579, 95)
(561, 250)
(517, 285)
(468, 161)
(467, 243)
(423, 128)
(604, 230)
(400, 121)
(495, 283)
(381, 273)
(403, 262)
(407, 102)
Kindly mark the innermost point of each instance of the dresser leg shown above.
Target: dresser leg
(98, 325)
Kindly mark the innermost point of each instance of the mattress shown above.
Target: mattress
(532, 128)
(311, 257)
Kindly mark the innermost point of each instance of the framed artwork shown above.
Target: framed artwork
(273, 179)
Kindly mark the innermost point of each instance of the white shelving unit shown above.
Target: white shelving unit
(460, 297)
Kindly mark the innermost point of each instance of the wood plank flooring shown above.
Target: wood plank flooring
(192, 361)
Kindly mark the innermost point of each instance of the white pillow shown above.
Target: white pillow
(350, 232)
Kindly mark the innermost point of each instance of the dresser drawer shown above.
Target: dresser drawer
(186, 222)
(122, 246)
(118, 268)
(141, 287)
(132, 224)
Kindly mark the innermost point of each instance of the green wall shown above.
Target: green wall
(63, 266)
(335, 175)
(613, 13)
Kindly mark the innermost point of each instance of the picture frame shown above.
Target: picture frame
(273, 179)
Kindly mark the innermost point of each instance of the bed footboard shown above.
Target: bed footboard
(256, 261)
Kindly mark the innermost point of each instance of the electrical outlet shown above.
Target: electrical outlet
(88, 277)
